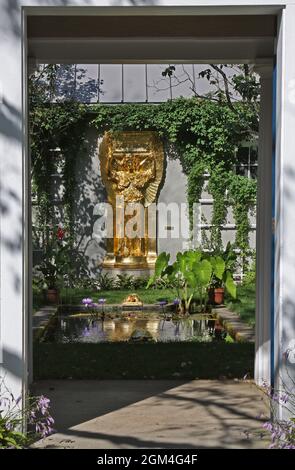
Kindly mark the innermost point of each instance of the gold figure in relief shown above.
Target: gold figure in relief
(132, 169)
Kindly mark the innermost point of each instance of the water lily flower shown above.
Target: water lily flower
(87, 302)
(101, 301)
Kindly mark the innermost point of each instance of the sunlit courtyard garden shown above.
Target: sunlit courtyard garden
(159, 282)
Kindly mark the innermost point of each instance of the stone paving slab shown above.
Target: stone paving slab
(41, 318)
(238, 329)
(141, 414)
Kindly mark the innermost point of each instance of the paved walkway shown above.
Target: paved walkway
(154, 414)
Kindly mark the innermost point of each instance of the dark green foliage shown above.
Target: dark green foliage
(143, 361)
(139, 282)
(105, 281)
(244, 304)
(124, 281)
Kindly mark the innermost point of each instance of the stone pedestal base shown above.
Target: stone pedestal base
(136, 272)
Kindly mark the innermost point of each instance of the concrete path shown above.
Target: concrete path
(154, 414)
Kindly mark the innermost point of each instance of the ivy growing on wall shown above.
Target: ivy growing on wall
(202, 134)
(55, 127)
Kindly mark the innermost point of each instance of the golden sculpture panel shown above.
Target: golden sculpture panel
(132, 166)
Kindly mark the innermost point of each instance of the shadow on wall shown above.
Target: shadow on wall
(11, 10)
(285, 365)
(14, 364)
(10, 200)
(10, 121)
(89, 191)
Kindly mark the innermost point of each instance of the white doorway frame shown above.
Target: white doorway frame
(275, 306)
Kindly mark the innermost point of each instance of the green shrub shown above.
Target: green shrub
(105, 281)
(124, 281)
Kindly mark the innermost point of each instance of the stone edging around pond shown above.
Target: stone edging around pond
(41, 319)
(239, 330)
(116, 308)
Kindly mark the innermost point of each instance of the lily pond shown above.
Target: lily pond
(134, 327)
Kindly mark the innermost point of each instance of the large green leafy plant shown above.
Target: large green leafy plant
(223, 266)
(190, 276)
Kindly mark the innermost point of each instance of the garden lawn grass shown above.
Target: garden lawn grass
(116, 296)
(244, 304)
(143, 361)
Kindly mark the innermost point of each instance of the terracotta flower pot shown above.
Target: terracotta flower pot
(219, 295)
(52, 296)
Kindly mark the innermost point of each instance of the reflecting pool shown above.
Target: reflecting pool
(134, 327)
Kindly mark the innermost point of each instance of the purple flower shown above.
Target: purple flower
(49, 420)
(87, 302)
(47, 431)
(43, 401)
(42, 405)
(176, 301)
(17, 401)
(163, 302)
(268, 426)
(85, 332)
(4, 401)
(284, 398)
(101, 301)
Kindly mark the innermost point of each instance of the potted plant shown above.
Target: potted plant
(50, 287)
(222, 276)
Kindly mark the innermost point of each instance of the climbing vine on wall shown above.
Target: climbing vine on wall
(202, 134)
(56, 137)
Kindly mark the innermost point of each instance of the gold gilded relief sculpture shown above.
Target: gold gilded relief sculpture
(132, 169)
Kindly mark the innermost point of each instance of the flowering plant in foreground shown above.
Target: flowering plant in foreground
(282, 431)
(35, 412)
